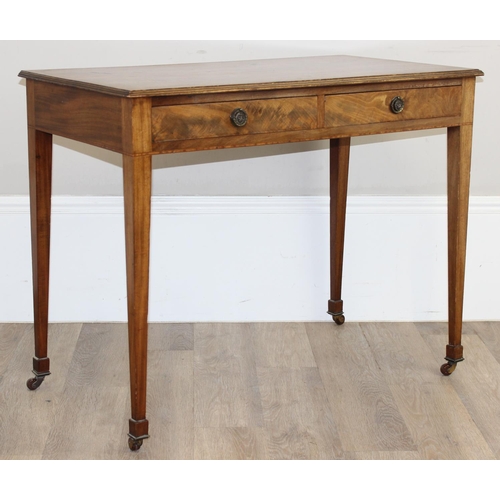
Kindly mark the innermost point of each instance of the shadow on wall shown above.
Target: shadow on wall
(234, 154)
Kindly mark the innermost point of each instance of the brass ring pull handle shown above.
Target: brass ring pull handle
(397, 105)
(239, 117)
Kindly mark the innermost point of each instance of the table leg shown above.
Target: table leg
(459, 161)
(40, 182)
(137, 199)
(339, 168)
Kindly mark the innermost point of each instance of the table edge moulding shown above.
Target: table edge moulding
(147, 110)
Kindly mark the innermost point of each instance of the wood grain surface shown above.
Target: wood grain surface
(255, 391)
(263, 74)
(374, 107)
(425, 401)
(78, 114)
(198, 121)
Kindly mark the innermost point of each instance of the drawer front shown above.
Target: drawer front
(375, 107)
(200, 121)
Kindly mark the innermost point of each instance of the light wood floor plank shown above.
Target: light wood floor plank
(88, 424)
(230, 443)
(367, 416)
(383, 455)
(26, 417)
(298, 421)
(101, 356)
(255, 391)
(10, 336)
(296, 415)
(438, 421)
(170, 406)
(63, 339)
(476, 380)
(25, 420)
(282, 345)
(170, 412)
(171, 337)
(489, 333)
(226, 392)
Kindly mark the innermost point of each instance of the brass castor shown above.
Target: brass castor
(339, 319)
(134, 444)
(34, 383)
(448, 368)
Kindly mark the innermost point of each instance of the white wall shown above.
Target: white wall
(262, 267)
(253, 259)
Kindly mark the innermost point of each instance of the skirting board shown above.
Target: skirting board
(253, 259)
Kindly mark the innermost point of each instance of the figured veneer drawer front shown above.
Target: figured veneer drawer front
(375, 107)
(199, 121)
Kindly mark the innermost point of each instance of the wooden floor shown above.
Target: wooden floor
(255, 391)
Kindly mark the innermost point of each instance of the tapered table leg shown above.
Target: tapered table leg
(459, 156)
(459, 165)
(339, 168)
(137, 199)
(40, 181)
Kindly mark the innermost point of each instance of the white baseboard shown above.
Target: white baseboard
(253, 259)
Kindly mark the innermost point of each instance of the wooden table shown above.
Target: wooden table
(142, 111)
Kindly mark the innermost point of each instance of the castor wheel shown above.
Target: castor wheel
(34, 383)
(134, 444)
(339, 319)
(448, 368)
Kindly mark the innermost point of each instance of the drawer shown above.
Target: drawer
(375, 107)
(200, 121)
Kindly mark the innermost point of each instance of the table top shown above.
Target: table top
(232, 76)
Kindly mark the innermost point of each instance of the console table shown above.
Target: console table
(143, 111)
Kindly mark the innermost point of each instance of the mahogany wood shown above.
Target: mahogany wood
(78, 114)
(459, 165)
(301, 92)
(302, 135)
(198, 121)
(150, 110)
(136, 125)
(40, 185)
(339, 169)
(374, 107)
(232, 76)
(137, 199)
